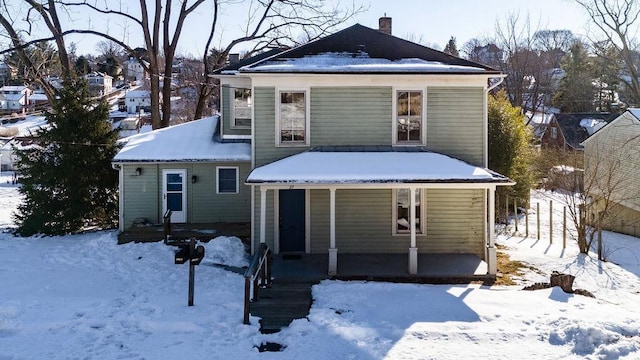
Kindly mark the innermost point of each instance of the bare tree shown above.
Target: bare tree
(270, 23)
(617, 23)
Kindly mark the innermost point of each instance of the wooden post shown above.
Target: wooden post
(538, 218)
(515, 212)
(506, 211)
(247, 294)
(263, 273)
(564, 227)
(526, 221)
(192, 269)
(550, 221)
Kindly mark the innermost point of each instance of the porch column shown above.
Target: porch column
(413, 250)
(492, 258)
(263, 214)
(333, 252)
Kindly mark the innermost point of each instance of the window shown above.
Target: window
(292, 123)
(402, 211)
(241, 108)
(227, 180)
(554, 132)
(409, 116)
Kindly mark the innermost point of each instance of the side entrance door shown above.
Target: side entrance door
(292, 221)
(174, 194)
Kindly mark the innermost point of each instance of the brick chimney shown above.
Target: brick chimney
(384, 24)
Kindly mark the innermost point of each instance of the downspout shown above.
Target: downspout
(118, 167)
(500, 80)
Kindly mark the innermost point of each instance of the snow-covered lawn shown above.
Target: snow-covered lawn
(84, 297)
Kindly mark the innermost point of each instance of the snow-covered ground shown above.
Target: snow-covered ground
(84, 297)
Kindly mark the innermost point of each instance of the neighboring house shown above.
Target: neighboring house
(137, 100)
(360, 142)
(134, 71)
(99, 83)
(16, 98)
(567, 131)
(612, 172)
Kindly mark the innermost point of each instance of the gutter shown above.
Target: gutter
(500, 80)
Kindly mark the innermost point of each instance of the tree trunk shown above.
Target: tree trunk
(564, 281)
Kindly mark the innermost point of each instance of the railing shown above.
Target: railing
(166, 225)
(259, 269)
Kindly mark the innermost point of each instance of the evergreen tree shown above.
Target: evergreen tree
(575, 91)
(509, 141)
(67, 179)
(452, 48)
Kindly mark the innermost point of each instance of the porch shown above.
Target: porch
(432, 268)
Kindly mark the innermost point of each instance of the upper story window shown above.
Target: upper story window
(292, 118)
(554, 132)
(409, 116)
(242, 103)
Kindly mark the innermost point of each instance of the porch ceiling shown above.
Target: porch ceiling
(322, 167)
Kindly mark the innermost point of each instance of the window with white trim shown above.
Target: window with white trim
(242, 103)
(292, 121)
(227, 180)
(554, 132)
(402, 211)
(409, 117)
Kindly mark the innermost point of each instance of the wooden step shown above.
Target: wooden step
(280, 303)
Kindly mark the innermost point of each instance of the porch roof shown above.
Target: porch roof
(371, 165)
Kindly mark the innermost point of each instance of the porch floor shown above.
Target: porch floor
(432, 268)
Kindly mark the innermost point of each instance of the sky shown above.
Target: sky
(428, 22)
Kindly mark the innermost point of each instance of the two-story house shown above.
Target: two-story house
(16, 98)
(136, 100)
(360, 143)
(99, 84)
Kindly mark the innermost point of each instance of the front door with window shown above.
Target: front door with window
(174, 194)
(292, 221)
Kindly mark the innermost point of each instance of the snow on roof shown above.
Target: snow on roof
(635, 112)
(348, 63)
(38, 97)
(13, 88)
(191, 141)
(318, 167)
(138, 93)
(592, 125)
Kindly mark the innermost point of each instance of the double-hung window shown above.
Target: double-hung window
(292, 118)
(409, 116)
(402, 211)
(242, 103)
(227, 180)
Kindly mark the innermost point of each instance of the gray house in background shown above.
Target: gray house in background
(356, 143)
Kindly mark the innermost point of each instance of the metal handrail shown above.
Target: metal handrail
(259, 269)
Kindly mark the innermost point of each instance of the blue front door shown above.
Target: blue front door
(291, 221)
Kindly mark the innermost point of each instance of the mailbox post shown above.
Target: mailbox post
(194, 255)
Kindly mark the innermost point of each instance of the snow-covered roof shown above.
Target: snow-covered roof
(349, 167)
(138, 94)
(187, 142)
(362, 63)
(38, 97)
(635, 112)
(13, 88)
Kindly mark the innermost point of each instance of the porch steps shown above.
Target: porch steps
(280, 303)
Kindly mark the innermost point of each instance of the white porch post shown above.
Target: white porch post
(413, 250)
(492, 258)
(263, 214)
(333, 252)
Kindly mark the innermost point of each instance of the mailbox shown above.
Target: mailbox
(198, 255)
(182, 255)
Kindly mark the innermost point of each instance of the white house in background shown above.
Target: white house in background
(134, 70)
(99, 83)
(16, 97)
(138, 99)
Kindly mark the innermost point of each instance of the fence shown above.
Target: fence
(513, 204)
